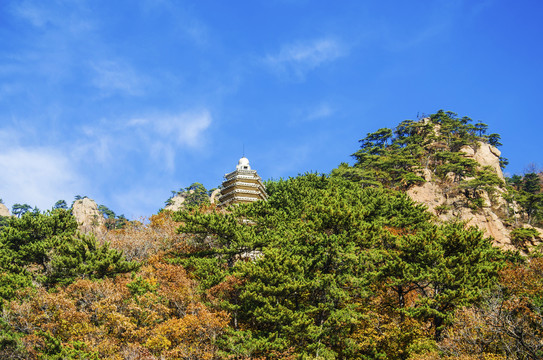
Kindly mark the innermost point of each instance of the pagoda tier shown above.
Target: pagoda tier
(242, 185)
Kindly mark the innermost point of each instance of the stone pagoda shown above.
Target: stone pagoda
(242, 185)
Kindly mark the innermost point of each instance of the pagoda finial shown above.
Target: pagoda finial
(243, 164)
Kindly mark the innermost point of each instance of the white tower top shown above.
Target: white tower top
(243, 164)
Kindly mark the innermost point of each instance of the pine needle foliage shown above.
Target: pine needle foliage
(395, 158)
(46, 249)
(296, 272)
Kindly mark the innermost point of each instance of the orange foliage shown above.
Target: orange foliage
(192, 336)
(228, 289)
(140, 241)
(524, 280)
(510, 322)
(435, 356)
(385, 330)
(396, 231)
(156, 312)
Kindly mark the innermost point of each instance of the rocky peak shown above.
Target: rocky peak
(214, 197)
(4, 211)
(448, 164)
(88, 216)
(447, 205)
(176, 202)
(485, 155)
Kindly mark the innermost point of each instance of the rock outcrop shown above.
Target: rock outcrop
(536, 240)
(214, 197)
(448, 204)
(88, 217)
(486, 155)
(4, 211)
(176, 202)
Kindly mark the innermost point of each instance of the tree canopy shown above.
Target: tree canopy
(297, 270)
(395, 158)
(339, 266)
(46, 248)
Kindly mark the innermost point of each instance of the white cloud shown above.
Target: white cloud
(9, 138)
(165, 135)
(41, 175)
(300, 58)
(68, 41)
(59, 40)
(117, 77)
(159, 136)
(37, 176)
(98, 147)
(186, 128)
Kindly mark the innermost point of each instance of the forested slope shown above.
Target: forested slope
(452, 166)
(340, 266)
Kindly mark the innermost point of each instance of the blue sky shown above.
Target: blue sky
(124, 101)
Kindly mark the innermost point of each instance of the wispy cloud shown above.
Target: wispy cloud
(185, 129)
(322, 110)
(165, 135)
(112, 77)
(31, 13)
(187, 23)
(38, 176)
(297, 59)
(68, 16)
(65, 42)
(42, 174)
(160, 137)
(315, 112)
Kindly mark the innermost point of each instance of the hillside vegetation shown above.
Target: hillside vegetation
(453, 167)
(398, 158)
(340, 266)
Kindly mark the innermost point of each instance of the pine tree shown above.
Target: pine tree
(81, 256)
(300, 266)
(445, 266)
(46, 248)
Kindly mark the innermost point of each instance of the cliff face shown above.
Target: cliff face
(214, 197)
(450, 205)
(88, 217)
(485, 155)
(4, 210)
(176, 202)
